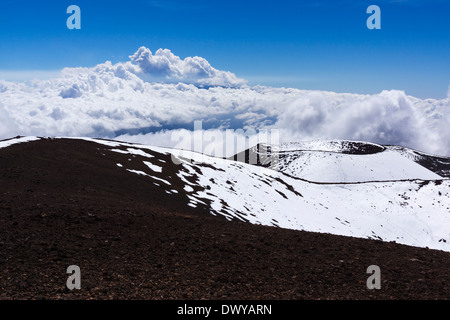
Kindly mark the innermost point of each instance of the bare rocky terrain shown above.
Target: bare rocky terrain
(65, 202)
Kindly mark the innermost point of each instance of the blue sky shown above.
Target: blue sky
(322, 45)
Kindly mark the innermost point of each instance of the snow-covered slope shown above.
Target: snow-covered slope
(347, 161)
(414, 212)
(437, 164)
(337, 167)
(10, 142)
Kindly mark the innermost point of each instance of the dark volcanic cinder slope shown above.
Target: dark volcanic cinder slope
(66, 202)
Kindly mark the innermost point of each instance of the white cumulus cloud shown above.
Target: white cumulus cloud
(152, 95)
(389, 117)
(165, 66)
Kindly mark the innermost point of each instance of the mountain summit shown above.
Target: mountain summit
(172, 221)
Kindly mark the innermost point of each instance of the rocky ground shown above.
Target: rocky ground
(62, 204)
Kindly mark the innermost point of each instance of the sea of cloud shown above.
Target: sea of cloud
(155, 96)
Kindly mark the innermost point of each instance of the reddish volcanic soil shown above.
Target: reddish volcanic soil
(64, 202)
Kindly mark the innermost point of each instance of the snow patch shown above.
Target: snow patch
(7, 143)
(152, 166)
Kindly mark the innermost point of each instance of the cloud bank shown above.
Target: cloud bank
(151, 96)
(167, 67)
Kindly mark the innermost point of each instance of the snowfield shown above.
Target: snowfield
(378, 195)
(414, 210)
(10, 142)
(410, 212)
(345, 161)
(330, 167)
